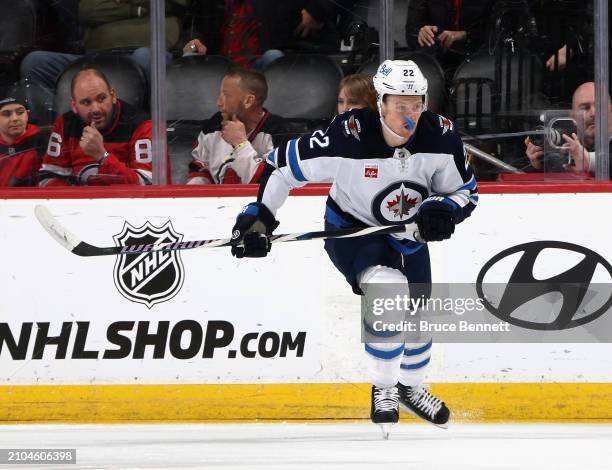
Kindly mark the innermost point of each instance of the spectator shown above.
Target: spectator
(449, 29)
(253, 32)
(108, 25)
(582, 40)
(356, 91)
(234, 142)
(102, 141)
(583, 158)
(21, 145)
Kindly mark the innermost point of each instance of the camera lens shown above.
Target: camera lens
(554, 137)
(538, 137)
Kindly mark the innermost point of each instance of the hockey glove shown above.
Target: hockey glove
(251, 233)
(436, 220)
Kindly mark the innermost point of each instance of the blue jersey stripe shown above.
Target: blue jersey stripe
(469, 185)
(405, 247)
(333, 218)
(294, 163)
(272, 157)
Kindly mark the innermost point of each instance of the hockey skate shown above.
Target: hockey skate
(385, 408)
(422, 404)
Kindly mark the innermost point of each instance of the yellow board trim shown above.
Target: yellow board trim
(469, 402)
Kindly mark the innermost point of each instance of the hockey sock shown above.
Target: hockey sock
(415, 359)
(383, 347)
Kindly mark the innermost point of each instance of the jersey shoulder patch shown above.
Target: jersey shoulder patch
(351, 126)
(356, 122)
(445, 124)
(444, 130)
(436, 134)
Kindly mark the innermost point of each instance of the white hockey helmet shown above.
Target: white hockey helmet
(400, 77)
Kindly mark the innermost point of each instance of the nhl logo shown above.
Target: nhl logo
(148, 278)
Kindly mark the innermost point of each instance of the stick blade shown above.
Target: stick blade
(53, 228)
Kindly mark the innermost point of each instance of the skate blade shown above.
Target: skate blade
(385, 429)
(409, 411)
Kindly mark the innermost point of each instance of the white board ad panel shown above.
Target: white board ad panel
(204, 317)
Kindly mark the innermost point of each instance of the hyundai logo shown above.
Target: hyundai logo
(522, 287)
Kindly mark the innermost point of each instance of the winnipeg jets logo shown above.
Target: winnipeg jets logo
(398, 203)
(401, 204)
(446, 124)
(148, 278)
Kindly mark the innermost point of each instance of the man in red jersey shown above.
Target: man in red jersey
(102, 141)
(20, 143)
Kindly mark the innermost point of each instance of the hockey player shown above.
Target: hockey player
(102, 141)
(404, 164)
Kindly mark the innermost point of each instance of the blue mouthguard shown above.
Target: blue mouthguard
(409, 123)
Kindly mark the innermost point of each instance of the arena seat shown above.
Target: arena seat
(181, 140)
(192, 88)
(496, 92)
(124, 75)
(473, 93)
(303, 86)
(20, 23)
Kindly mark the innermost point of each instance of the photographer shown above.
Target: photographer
(581, 154)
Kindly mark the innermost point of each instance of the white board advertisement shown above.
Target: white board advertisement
(203, 317)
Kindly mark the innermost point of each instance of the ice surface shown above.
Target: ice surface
(355, 445)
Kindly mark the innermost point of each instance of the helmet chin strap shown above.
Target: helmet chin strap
(409, 125)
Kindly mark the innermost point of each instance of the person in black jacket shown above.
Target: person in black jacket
(447, 28)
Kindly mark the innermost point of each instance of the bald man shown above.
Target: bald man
(582, 153)
(101, 141)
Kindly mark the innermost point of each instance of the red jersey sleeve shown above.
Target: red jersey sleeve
(137, 169)
(56, 166)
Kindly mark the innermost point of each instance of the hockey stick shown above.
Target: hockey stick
(77, 246)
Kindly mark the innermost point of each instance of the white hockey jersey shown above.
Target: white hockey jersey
(215, 161)
(374, 184)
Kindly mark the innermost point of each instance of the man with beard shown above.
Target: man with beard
(102, 141)
(583, 158)
(231, 147)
